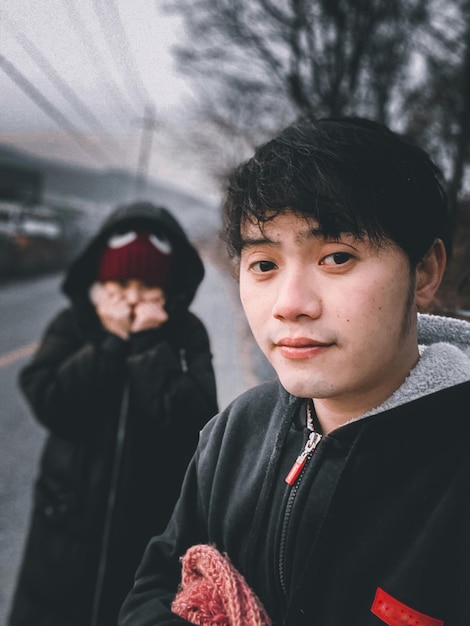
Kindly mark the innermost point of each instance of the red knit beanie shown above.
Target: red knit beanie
(136, 255)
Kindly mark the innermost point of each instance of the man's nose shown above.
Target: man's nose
(297, 296)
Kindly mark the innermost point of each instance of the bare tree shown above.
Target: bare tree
(437, 108)
(462, 115)
(260, 64)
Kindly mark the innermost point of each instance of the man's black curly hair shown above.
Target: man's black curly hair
(352, 175)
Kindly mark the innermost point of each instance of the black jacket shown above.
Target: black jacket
(123, 420)
(375, 531)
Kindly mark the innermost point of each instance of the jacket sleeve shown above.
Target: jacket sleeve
(71, 378)
(218, 502)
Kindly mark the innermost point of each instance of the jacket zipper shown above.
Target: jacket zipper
(293, 479)
(312, 442)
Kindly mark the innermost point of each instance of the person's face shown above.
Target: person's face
(334, 317)
(134, 291)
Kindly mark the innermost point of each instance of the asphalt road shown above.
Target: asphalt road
(26, 307)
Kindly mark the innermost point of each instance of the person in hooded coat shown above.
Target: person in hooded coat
(123, 381)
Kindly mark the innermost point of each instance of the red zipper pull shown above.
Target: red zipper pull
(312, 442)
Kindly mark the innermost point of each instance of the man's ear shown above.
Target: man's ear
(429, 273)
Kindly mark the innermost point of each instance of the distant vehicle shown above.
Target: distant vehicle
(34, 236)
(20, 183)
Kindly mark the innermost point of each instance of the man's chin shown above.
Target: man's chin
(296, 387)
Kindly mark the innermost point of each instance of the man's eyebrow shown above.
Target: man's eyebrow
(316, 231)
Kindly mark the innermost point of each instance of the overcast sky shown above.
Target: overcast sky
(76, 76)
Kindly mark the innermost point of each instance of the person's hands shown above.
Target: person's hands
(128, 308)
(149, 313)
(114, 311)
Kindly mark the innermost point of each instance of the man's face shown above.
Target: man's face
(334, 317)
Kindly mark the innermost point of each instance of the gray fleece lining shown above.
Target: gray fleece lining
(436, 328)
(441, 364)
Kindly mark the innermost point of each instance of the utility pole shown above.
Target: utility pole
(149, 126)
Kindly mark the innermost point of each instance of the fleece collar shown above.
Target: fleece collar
(435, 328)
(444, 347)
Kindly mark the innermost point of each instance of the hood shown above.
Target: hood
(444, 348)
(189, 269)
(437, 329)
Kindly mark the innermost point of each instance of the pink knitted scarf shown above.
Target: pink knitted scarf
(213, 592)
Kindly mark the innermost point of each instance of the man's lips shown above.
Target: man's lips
(300, 347)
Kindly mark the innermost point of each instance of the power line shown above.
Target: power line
(43, 103)
(96, 58)
(118, 44)
(43, 64)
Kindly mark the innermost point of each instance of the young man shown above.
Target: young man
(340, 492)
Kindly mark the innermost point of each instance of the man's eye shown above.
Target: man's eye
(337, 258)
(263, 266)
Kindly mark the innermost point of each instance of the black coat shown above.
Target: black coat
(381, 505)
(123, 419)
